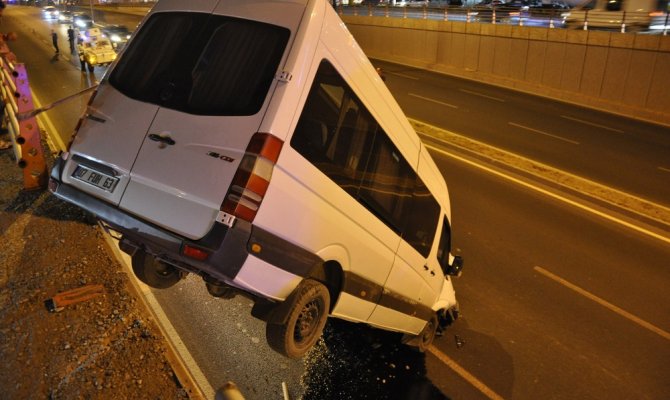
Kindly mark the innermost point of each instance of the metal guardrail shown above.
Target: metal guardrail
(547, 16)
(23, 131)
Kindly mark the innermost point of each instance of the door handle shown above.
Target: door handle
(162, 139)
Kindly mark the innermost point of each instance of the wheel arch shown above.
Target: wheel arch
(331, 274)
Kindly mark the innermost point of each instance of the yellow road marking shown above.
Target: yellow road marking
(479, 385)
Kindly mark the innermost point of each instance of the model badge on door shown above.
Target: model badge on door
(220, 157)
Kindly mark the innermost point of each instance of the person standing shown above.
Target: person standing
(54, 40)
(70, 38)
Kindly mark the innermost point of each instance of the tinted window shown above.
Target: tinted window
(334, 131)
(339, 136)
(421, 224)
(388, 183)
(445, 244)
(201, 64)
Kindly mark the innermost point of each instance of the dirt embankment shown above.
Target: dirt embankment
(107, 347)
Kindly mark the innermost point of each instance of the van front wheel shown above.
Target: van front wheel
(428, 334)
(305, 321)
(425, 338)
(154, 273)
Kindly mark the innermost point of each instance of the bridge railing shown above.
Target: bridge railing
(17, 105)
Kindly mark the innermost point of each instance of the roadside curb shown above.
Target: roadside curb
(622, 200)
(175, 358)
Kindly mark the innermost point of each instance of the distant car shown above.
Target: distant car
(117, 34)
(65, 17)
(82, 20)
(50, 12)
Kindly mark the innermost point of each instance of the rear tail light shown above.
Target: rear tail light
(194, 252)
(252, 177)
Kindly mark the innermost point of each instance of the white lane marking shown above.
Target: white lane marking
(486, 96)
(542, 133)
(664, 169)
(604, 303)
(414, 78)
(554, 195)
(479, 385)
(581, 121)
(191, 366)
(432, 100)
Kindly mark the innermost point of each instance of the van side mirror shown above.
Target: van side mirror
(455, 268)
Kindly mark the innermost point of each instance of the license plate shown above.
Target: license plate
(95, 178)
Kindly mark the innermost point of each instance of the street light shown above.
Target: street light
(90, 3)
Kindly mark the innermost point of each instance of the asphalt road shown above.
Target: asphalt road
(557, 303)
(618, 152)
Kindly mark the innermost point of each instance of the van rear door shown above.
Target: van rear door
(212, 77)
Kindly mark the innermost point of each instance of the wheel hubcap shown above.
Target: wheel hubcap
(307, 320)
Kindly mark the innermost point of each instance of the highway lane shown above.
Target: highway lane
(525, 335)
(619, 152)
(555, 342)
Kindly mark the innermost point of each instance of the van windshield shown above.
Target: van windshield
(201, 64)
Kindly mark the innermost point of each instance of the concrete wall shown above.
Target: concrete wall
(620, 73)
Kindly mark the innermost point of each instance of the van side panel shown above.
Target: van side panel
(304, 206)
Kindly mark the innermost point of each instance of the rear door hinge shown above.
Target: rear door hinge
(284, 76)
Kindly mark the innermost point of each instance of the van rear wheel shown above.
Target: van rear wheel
(305, 321)
(427, 335)
(154, 273)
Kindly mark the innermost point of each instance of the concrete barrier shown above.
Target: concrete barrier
(620, 73)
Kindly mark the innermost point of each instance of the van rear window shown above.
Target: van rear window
(201, 64)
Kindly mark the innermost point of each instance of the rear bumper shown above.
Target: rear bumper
(227, 247)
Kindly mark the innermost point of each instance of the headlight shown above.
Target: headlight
(115, 38)
(92, 59)
(80, 23)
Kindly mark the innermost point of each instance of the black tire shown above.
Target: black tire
(427, 335)
(305, 321)
(154, 273)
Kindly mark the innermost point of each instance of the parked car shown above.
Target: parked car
(255, 145)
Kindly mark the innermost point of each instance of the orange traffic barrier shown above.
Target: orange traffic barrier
(24, 133)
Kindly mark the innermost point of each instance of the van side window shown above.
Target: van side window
(445, 244)
(339, 136)
(387, 184)
(334, 132)
(421, 221)
(202, 64)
